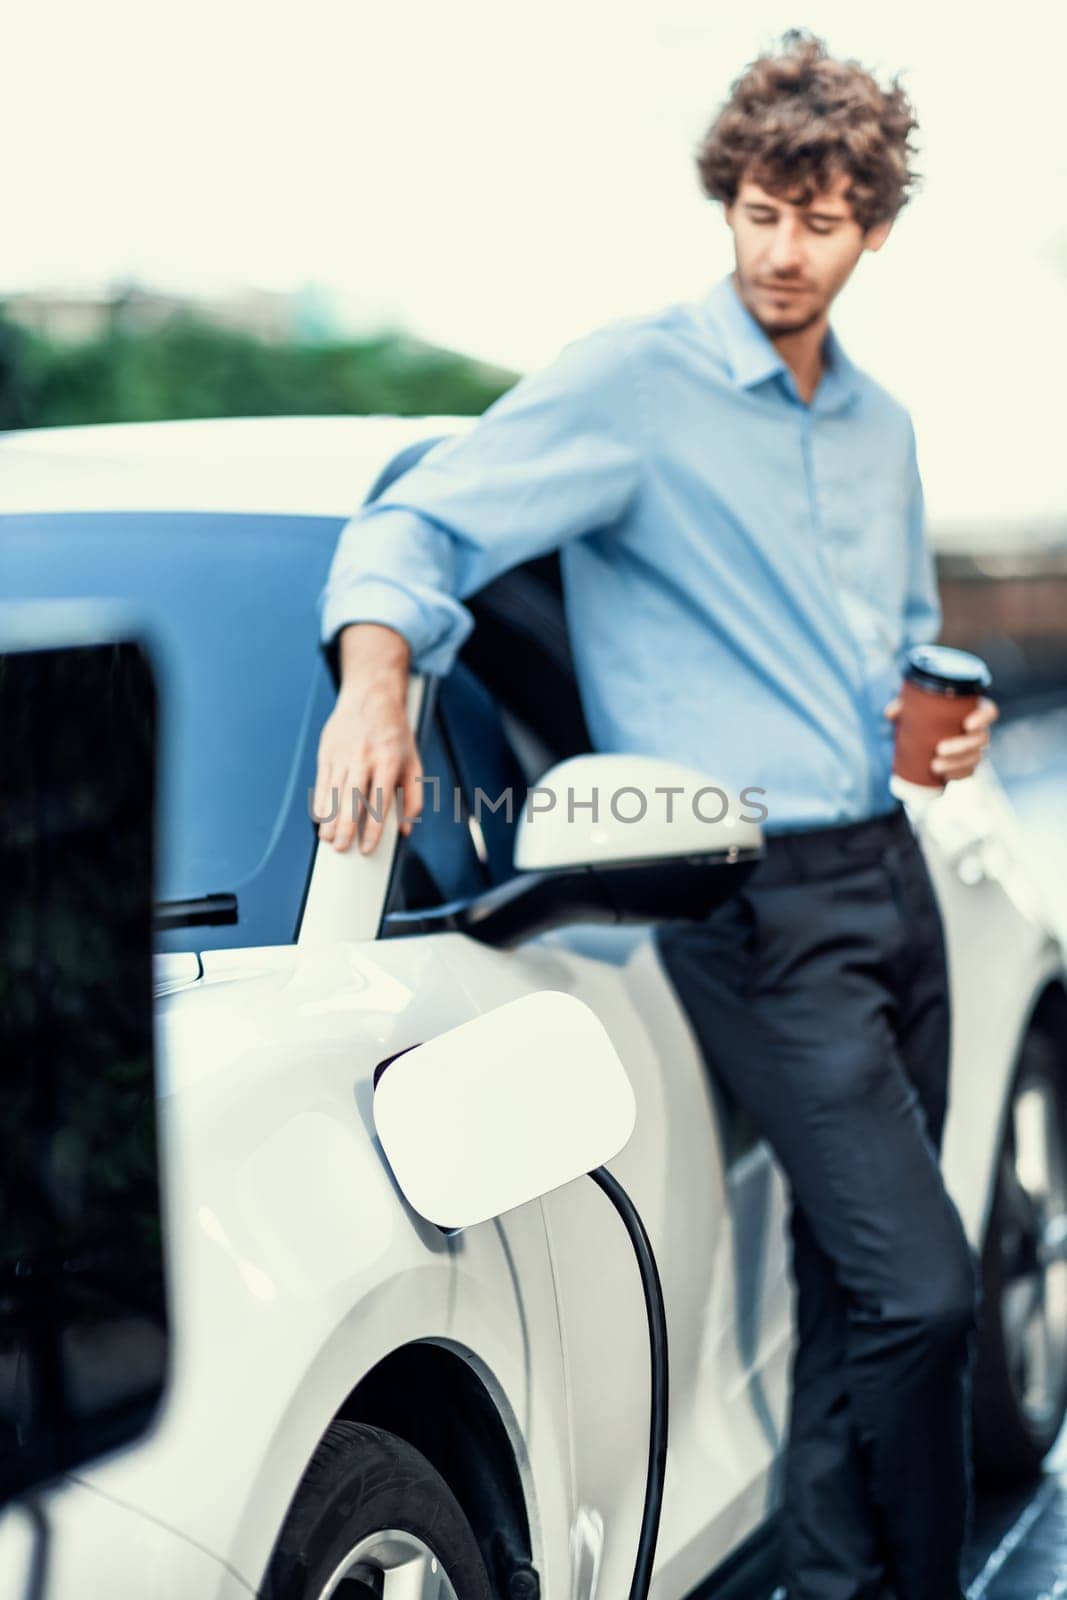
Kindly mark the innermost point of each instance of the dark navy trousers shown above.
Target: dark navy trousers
(819, 996)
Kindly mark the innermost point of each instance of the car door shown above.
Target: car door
(711, 1198)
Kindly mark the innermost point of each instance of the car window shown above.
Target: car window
(440, 860)
(244, 688)
(488, 771)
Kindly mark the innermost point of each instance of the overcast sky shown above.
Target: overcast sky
(500, 177)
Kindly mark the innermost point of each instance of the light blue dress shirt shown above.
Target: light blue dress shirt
(742, 571)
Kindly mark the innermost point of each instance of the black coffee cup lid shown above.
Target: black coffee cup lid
(946, 670)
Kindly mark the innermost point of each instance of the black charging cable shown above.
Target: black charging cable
(657, 1337)
(37, 1578)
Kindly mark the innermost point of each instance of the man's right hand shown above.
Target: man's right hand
(367, 744)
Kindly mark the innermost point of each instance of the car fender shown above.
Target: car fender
(295, 1265)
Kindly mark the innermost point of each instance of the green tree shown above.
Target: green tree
(18, 370)
(188, 368)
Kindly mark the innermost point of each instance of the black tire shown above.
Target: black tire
(360, 1481)
(1010, 1442)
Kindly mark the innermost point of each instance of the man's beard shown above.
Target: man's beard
(776, 328)
(773, 328)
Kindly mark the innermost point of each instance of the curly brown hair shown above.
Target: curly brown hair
(798, 118)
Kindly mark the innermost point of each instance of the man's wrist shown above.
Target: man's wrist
(368, 641)
(373, 658)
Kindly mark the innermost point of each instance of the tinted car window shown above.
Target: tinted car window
(489, 774)
(438, 860)
(244, 688)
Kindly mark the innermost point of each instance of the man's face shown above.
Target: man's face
(791, 259)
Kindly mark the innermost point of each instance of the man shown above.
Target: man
(739, 516)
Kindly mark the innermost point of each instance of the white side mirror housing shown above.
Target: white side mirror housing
(608, 809)
(503, 1109)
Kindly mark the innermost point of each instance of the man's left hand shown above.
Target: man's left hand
(957, 757)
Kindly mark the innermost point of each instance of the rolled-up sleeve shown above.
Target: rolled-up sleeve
(554, 458)
(922, 606)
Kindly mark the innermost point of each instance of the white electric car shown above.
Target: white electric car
(361, 1403)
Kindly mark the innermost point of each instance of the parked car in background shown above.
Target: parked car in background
(355, 1395)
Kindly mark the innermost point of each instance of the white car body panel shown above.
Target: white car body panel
(301, 466)
(266, 1060)
(1002, 952)
(100, 1546)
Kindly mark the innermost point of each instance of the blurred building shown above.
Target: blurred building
(1009, 605)
(307, 315)
(75, 317)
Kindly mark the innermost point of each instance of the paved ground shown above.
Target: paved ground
(1020, 1547)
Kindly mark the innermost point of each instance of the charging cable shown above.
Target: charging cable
(657, 1336)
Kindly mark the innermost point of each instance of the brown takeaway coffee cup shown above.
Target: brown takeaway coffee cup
(941, 687)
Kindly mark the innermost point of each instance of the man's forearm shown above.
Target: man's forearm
(367, 746)
(374, 661)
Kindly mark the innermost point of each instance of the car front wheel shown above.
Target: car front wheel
(1020, 1387)
(373, 1518)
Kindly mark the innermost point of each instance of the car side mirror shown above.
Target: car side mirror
(611, 810)
(83, 1308)
(502, 1109)
(609, 838)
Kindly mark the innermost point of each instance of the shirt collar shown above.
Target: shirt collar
(753, 358)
